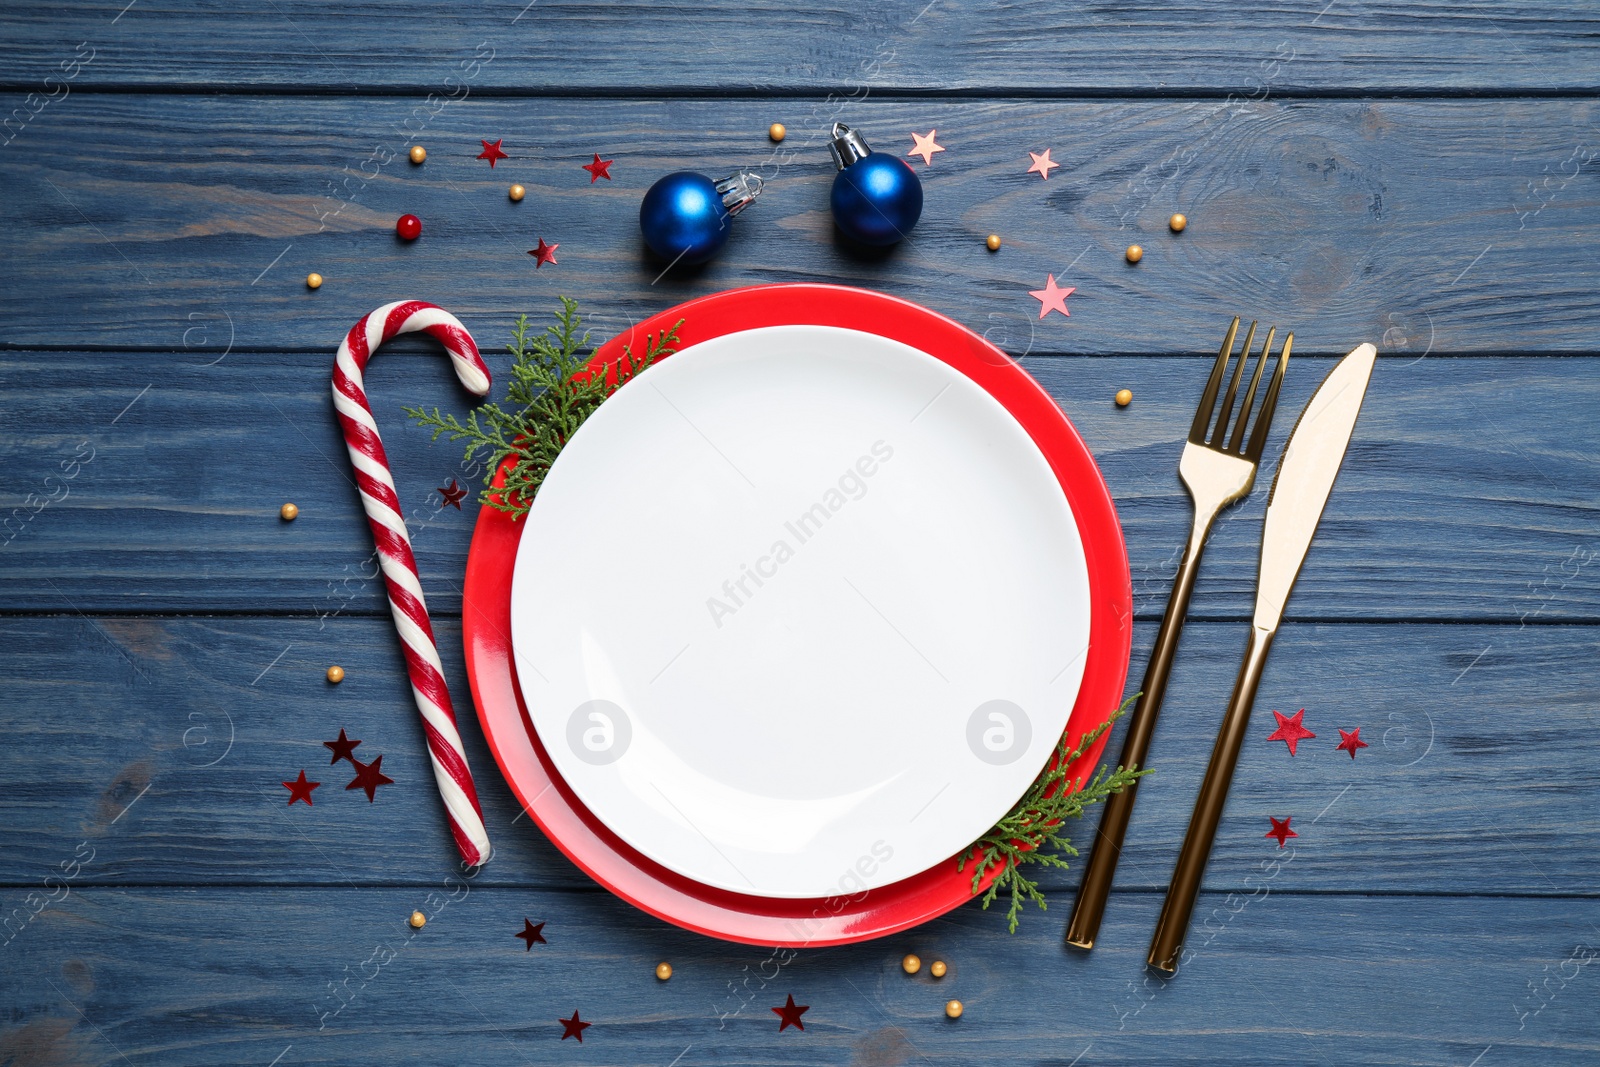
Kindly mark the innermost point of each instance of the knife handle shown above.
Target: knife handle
(1090, 907)
(1167, 945)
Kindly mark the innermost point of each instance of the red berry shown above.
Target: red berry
(409, 227)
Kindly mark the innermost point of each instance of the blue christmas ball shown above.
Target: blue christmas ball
(876, 200)
(683, 219)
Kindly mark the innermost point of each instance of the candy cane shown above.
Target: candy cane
(382, 505)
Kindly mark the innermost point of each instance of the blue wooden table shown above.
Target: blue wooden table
(1425, 177)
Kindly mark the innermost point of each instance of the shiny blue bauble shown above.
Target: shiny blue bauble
(683, 219)
(876, 200)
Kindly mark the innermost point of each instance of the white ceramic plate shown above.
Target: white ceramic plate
(800, 611)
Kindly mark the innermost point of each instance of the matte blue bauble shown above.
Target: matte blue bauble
(683, 218)
(877, 200)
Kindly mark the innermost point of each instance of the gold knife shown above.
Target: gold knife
(1300, 491)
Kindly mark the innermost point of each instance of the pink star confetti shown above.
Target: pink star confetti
(1042, 164)
(924, 147)
(1052, 297)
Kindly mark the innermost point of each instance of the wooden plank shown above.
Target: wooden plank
(299, 976)
(183, 224)
(1469, 492)
(769, 47)
(164, 743)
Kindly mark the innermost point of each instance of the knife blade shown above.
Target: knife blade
(1305, 479)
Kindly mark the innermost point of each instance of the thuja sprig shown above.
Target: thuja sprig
(551, 393)
(1030, 834)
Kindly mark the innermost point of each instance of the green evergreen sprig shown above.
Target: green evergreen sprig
(1030, 834)
(551, 393)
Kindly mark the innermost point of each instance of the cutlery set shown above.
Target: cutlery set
(1218, 467)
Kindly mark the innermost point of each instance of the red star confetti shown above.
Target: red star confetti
(600, 168)
(544, 254)
(1052, 297)
(369, 776)
(1042, 164)
(790, 1014)
(924, 147)
(574, 1027)
(531, 933)
(1280, 830)
(453, 494)
(492, 152)
(1349, 742)
(1289, 730)
(344, 748)
(300, 789)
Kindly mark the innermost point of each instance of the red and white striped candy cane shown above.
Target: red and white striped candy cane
(394, 544)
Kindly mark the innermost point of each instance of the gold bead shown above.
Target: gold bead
(937, 969)
(418, 153)
(1177, 222)
(336, 674)
(993, 241)
(1135, 253)
(313, 280)
(518, 192)
(1124, 397)
(663, 971)
(288, 513)
(953, 1009)
(418, 920)
(911, 965)
(777, 132)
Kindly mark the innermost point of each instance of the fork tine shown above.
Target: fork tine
(1250, 395)
(1208, 399)
(1226, 413)
(1258, 438)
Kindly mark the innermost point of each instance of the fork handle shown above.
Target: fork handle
(1167, 945)
(1090, 907)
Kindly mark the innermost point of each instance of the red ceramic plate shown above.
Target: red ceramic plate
(755, 920)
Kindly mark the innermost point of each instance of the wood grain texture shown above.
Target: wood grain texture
(242, 976)
(165, 742)
(1469, 493)
(180, 224)
(904, 45)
